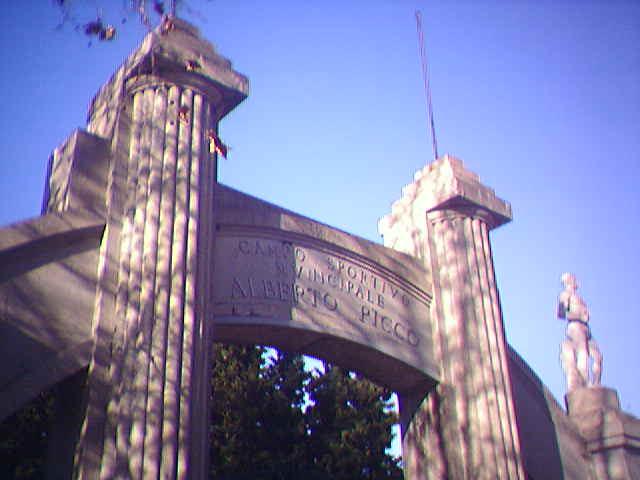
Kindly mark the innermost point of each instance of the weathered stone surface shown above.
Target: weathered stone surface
(168, 53)
(319, 286)
(443, 184)
(142, 259)
(444, 217)
(589, 400)
(611, 436)
(147, 381)
(48, 274)
(552, 447)
(594, 440)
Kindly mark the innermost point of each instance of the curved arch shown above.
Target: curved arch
(380, 367)
(284, 280)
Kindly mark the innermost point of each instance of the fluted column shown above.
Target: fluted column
(147, 405)
(159, 333)
(466, 428)
(472, 344)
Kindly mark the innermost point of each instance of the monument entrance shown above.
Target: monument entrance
(142, 259)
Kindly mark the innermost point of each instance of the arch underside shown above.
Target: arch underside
(382, 368)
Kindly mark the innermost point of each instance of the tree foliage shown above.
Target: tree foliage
(101, 22)
(271, 419)
(350, 427)
(23, 439)
(274, 420)
(257, 426)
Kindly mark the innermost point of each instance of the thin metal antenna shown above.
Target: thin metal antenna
(427, 85)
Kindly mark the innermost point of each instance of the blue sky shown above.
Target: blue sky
(540, 98)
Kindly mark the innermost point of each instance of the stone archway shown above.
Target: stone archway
(169, 260)
(302, 286)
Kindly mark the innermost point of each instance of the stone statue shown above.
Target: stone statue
(579, 353)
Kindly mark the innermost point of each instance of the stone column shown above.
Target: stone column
(466, 429)
(147, 411)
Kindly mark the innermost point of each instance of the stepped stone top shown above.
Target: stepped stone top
(174, 51)
(446, 184)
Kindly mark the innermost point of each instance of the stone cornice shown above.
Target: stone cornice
(171, 52)
(446, 184)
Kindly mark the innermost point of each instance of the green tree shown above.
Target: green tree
(258, 426)
(350, 427)
(23, 439)
(270, 419)
(273, 420)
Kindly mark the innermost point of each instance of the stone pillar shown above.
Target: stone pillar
(466, 429)
(612, 437)
(148, 379)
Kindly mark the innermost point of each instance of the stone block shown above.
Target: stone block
(611, 436)
(77, 178)
(584, 401)
(48, 278)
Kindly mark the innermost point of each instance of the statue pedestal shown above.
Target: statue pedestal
(587, 400)
(611, 436)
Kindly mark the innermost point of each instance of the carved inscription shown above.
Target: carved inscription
(256, 271)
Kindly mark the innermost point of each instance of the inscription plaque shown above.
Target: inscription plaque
(311, 285)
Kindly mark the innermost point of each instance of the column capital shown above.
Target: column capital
(445, 185)
(173, 53)
(448, 185)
